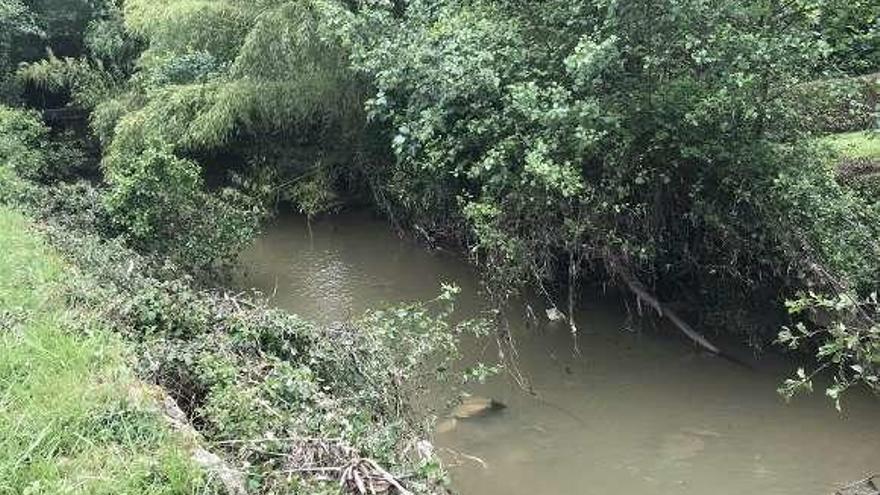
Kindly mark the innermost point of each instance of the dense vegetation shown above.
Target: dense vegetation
(676, 147)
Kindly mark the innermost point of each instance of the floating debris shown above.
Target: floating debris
(553, 314)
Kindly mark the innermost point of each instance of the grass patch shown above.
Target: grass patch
(860, 144)
(71, 419)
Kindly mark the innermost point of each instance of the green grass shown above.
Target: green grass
(856, 144)
(73, 419)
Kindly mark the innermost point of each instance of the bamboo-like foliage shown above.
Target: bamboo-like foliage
(90, 83)
(278, 70)
(16, 19)
(219, 75)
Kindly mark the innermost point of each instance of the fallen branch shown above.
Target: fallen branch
(643, 295)
(333, 460)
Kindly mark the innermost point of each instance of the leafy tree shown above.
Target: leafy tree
(267, 83)
(851, 32)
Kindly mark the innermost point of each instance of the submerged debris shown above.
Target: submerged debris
(475, 406)
(864, 486)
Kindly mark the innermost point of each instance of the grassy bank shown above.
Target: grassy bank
(72, 419)
(860, 144)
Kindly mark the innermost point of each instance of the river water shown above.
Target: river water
(634, 412)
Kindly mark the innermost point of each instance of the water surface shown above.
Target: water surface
(634, 412)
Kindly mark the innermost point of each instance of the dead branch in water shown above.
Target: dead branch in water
(331, 459)
(643, 295)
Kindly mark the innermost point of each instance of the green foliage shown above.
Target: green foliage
(844, 332)
(88, 82)
(213, 79)
(838, 105)
(159, 201)
(27, 151)
(849, 30)
(831, 230)
(672, 138)
(22, 142)
(16, 22)
(97, 71)
(156, 199)
(108, 41)
(156, 184)
(29, 29)
(224, 65)
(312, 195)
(16, 17)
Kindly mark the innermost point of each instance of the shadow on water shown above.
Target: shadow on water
(634, 412)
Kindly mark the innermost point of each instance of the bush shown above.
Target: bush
(28, 148)
(646, 136)
(23, 142)
(159, 202)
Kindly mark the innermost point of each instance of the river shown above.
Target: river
(633, 412)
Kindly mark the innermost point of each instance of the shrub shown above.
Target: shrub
(160, 204)
(661, 137)
(31, 151)
(23, 142)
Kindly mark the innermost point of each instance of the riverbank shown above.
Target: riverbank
(291, 406)
(73, 419)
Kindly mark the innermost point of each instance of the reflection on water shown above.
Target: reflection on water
(633, 413)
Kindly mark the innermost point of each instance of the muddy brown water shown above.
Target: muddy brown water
(634, 412)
